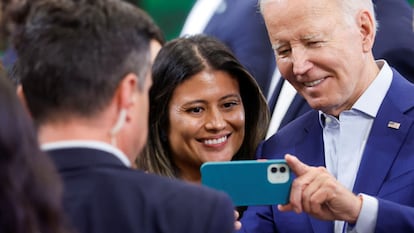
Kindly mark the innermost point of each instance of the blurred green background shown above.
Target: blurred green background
(169, 15)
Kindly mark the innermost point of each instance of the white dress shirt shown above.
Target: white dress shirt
(344, 143)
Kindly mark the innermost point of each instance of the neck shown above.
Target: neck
(73, 130)
(367, 76)
(190, 175)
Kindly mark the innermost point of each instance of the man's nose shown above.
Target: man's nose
(300, 61)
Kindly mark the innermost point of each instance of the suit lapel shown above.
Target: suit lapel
(298, 107)
(310, 150)
(385, 140)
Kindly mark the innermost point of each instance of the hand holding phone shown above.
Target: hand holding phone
(250, 182)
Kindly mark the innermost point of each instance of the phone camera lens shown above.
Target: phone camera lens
(273, 169)
(282, 169)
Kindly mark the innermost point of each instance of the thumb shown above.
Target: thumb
(296, 165)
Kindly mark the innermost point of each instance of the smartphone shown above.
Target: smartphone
(250, 182)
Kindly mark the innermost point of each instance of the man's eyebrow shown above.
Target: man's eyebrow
(310, 37)
(277, 45)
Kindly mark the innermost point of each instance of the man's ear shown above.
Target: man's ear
(366, 25)
(127, 91)
(22, 97)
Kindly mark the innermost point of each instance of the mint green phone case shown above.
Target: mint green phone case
(250, 182)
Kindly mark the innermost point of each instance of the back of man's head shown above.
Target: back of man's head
(72, 54)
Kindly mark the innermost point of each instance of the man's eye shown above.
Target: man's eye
(283, 52)
(314, 43)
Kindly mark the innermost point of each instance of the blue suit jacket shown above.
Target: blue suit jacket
(394, 41)
(103, 195)
(241, 27)
(386, 170)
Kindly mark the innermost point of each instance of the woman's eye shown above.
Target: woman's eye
(230, 104)
(195, 110)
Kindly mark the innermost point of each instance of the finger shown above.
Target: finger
(295, 198)
(284, 208)
(319, 206)
(305, 175)
(236, 214)
(296, 165)
(237, 224)
(311, 191)
(307, 198)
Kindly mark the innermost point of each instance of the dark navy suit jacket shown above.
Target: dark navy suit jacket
(240, 25)
(386, 170)
(102, 195)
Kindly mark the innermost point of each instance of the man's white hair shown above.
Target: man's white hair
(350, 8)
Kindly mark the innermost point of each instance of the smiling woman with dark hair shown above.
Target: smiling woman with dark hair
(205, 106)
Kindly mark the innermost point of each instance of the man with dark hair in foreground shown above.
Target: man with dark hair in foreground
(84, 72)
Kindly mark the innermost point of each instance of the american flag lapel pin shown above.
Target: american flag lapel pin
(393, 125)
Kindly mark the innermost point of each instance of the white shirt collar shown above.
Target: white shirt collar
(97, 145)
(370, 101)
